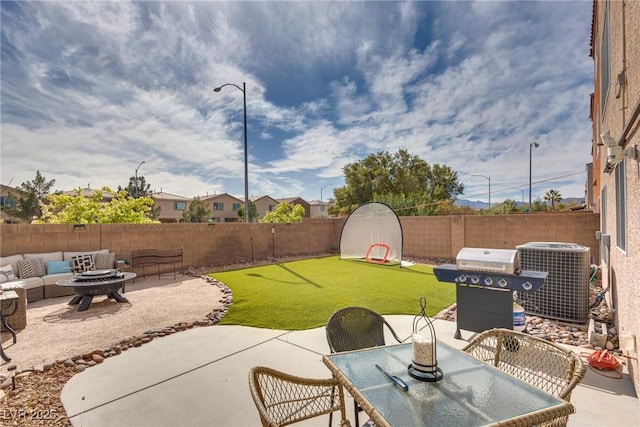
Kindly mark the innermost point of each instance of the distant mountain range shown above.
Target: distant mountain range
(477, 204)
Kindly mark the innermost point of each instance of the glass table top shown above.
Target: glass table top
(471, 392)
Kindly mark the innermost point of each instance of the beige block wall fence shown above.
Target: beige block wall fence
(204, 244)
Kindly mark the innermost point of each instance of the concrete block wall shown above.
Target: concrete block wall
(227, 243)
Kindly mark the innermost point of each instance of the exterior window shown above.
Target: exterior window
(604, 62)
(271, 208)
(7, 202)
(180, 206)
(621, 205)
(218, 206)
(236, 206)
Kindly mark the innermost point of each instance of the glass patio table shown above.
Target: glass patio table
(471, 393)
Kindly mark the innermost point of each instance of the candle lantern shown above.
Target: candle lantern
(424, 363)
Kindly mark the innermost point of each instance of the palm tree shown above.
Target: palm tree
(553, 196)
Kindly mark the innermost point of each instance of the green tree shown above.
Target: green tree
(144, 189)
(538, 205)
(198, 211)
(35, 191)
(554, 197)
(396, 178)
(253, 212)
(284, 213)
(76, 209)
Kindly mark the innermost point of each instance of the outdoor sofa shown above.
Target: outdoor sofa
(37, 273)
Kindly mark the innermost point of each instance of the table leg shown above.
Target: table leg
(3, 320)
(118, 297)
(10, 329)
(85, 303)
(75, 300)
(4, 356)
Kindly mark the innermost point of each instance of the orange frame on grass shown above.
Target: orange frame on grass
(387, 249)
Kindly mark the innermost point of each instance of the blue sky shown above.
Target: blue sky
(91, 89)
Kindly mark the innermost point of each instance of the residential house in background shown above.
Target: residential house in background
(224, 207)
(318, 209)
(299, 201)
(8, 199)
(171, 206)
(264, 204)
(89, 192)
(615, 178)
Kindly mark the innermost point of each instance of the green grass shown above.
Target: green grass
(303, 294)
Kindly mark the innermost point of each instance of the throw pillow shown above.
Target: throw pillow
(105, 261)
(55, 267)
(33, 267)
(6, 273)
(83, 263)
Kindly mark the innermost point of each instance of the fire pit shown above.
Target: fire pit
(92, 283)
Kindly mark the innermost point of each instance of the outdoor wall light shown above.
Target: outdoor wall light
(79, 226)
(607, 139)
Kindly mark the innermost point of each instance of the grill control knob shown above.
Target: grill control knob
(475, 280)
(462, 278)
(503, 283)
(488, 281)
(527, 286)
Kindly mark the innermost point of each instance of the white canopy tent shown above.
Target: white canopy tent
(372, 231)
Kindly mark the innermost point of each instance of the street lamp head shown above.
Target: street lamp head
(534, 144)
(218, 89)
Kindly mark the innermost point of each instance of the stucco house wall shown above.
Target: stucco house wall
(615, 109)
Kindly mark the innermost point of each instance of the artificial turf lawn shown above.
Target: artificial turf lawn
(303, 294)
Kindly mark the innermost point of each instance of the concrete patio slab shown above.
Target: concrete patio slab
(199, 377)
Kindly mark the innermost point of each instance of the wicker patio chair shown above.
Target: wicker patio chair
(283, 399)
(355, 328)
(533, 360)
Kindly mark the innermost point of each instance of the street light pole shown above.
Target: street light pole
(488, 178)
(136, 176)
(531, 145)
(243, 89)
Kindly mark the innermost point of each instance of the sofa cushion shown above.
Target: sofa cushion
(51, 279)
(46, 256)
(7, 274)
(82, 263)
(54, 267)
(34, 267)
(105, 261)
(11, 260)
(30, 283)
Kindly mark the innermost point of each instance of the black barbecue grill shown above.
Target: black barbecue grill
(485, 281)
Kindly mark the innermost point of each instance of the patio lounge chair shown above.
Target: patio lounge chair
(355, 328)
(283, 399)
(533, 360)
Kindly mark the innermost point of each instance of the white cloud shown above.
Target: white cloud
(91, 89)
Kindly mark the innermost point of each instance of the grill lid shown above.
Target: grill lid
(504, 261)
